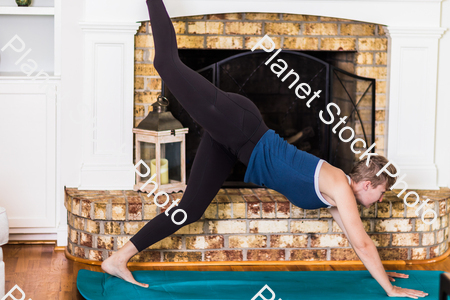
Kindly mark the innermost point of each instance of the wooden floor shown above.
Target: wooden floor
(43, 273)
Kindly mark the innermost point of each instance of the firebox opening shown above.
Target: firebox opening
(246, 74)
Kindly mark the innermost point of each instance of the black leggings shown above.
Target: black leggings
(232, 127)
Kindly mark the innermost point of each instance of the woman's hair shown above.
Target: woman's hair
(362, 172)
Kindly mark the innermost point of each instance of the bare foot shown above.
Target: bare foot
(118, 267)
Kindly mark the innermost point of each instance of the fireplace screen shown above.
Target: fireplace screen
(246, 74)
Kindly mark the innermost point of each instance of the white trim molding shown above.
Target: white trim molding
(425, 32)
(125, 27)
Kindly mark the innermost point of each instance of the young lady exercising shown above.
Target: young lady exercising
(234, 130)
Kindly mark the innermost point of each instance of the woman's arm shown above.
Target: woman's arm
(368, 253)
(334, 212)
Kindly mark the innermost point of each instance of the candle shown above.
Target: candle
(164, 170)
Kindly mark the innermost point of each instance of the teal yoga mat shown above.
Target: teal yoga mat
(216, 285)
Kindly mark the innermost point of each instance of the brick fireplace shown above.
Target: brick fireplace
(241, 31)
(259, 224)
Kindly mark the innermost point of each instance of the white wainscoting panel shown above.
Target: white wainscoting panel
(28, 154)
(412, 103)
(109, 97)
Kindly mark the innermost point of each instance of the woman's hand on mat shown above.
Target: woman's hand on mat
(391, 275)
(401, 292)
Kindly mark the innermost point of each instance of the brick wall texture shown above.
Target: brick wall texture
(290, 32)
(252, 225)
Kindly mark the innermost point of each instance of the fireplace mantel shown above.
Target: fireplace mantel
(414, 32)
(385, 12)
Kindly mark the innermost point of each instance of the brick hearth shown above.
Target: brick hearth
(251, 225)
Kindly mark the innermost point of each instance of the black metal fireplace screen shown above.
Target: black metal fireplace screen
(247, 74)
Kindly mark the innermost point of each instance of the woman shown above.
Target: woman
(234, 130)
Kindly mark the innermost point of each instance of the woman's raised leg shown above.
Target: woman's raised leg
(211, 167)
(231, 119)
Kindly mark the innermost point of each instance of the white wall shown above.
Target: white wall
(70, 108)
(443, 103)
(71, 91)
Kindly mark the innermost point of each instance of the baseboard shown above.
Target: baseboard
(31, 242)
(15, 237)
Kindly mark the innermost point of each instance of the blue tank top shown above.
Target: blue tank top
(278, 165)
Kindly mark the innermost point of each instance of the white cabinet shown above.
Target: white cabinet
(30, 43)
(28, 153)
